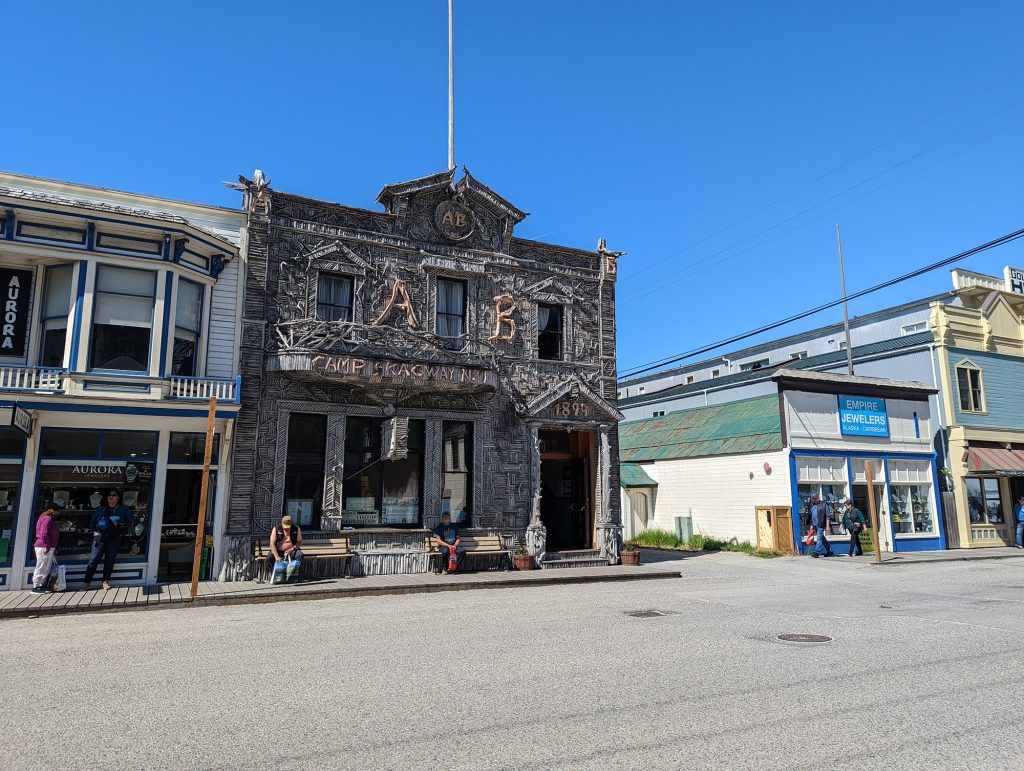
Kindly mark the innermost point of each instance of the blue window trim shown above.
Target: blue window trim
(92, 322)
(84, 232)
(76, 331)
(168, 290)
(17, 503)
(67, 316)
(103, 409)
(214, 461)
(200, 337)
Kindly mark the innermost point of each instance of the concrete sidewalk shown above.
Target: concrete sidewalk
(22, 604)
(922, 557)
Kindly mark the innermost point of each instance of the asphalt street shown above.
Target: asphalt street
(925, 670)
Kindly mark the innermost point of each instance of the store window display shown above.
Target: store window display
(910, 491)
(77, 468)
(825, 477)
(12, 448)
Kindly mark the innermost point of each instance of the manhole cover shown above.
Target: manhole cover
(805, 638)
(645, 613)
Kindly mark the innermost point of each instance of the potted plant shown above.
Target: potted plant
(630, 554)
(523, 560)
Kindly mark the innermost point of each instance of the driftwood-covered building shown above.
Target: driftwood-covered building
(420, 360)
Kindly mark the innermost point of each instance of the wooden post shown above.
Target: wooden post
(204, 491)
(871, 509)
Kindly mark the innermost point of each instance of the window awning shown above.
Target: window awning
(994, 460)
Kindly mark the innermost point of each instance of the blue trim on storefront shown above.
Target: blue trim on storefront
(938, 542)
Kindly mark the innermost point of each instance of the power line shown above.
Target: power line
(688, 270)
(1001, 241)
(840, 167)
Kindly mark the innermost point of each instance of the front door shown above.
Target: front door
(178, 528)
(566, 485)
(860, 499)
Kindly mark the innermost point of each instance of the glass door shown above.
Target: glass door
(860, 500)
(178, 529)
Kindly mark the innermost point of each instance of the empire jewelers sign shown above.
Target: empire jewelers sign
(16, 286)
(863, 416)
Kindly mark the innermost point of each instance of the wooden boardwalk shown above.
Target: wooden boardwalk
(23, 604)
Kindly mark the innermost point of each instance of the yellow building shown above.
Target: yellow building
(980, 347)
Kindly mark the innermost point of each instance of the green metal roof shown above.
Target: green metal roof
(633, 475)
(750, 425)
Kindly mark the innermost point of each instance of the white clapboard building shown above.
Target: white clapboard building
(120, 321)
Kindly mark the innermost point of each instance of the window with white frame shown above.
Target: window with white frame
(715, 373)
(658, 414)
(798, 355)
(970, 387)
(752, 365)
(53, 319)
(188, 319)
(913, 329)
(122, 319)
(910, 490)
(334, 297)
(689, 379)
(826, 478)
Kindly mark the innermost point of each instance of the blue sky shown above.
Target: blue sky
(717, 143)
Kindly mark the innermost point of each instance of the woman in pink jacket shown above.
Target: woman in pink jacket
(47, 534)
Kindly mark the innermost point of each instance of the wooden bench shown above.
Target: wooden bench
(482, 547)
(321, 558)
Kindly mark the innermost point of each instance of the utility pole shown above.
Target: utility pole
(451, 86)
(846, 311)
(203, 496)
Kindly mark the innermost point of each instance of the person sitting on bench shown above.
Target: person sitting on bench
(285, 541)
(446, 538)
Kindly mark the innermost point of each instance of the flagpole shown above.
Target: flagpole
(451, 87)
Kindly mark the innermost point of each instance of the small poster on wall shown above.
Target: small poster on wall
(301, 510)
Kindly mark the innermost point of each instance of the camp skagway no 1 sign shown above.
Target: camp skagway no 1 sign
(17, 288)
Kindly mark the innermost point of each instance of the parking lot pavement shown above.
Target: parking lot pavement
(923, 671)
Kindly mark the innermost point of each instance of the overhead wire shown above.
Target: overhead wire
(1001, 241)
(987, 87)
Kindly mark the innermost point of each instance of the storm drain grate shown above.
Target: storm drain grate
(645, 613)
(805, 638)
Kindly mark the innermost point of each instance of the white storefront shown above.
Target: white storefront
(126, 325)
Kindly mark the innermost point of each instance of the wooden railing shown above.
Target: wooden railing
(202, 388)
(14, 378)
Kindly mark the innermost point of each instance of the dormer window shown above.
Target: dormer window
(549, 331)
(334, 298)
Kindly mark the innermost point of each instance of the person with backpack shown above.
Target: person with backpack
(819, 521)
(284, 545)
(47, 535)
(110, 523)
(854, 522)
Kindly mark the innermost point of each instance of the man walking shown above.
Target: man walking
(853, 521)
(1020, 522)
(819, 520)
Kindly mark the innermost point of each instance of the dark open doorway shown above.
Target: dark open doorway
(566, 485)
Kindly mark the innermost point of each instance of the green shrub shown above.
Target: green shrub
(663, 539)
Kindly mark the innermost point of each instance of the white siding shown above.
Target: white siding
(812, 421)
(719, 493)
(222, 350)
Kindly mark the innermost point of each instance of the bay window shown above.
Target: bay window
(188, 319)
(54, 316)
(122, 319)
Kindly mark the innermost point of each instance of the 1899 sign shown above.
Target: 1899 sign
(569, 409)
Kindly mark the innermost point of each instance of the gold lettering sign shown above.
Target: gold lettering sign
(378, 369)
(570, 409)
(504, 321)
(400, 300)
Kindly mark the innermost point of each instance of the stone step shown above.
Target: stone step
(572, 554)
(578, 562)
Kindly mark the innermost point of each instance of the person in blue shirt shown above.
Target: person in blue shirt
(819, 520)
(446, 538)
(109, 524)
(1019, 511)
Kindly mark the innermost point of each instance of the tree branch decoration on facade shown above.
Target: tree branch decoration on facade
(504, 319)
(399, 300)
